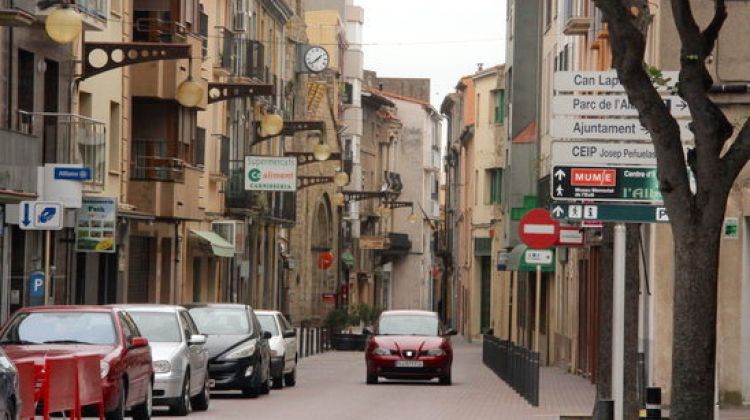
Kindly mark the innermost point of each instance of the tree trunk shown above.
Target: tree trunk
(604, 352)
(694, 335)
(631, 402)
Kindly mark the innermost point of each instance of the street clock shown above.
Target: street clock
(316, 59)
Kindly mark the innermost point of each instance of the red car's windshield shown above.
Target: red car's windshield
(60, 328)
(408, 325)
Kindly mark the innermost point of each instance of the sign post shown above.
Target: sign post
(538, 230)
(618, 320)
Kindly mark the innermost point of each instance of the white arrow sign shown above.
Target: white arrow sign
(40, 215)
(560, 174)
(610, 105)
(558, 211)
(605, 129)
(601, 81)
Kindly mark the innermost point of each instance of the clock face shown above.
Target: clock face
(316, 59)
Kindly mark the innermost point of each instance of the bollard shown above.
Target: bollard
(605, 410)
(653, 404)
(299, 341)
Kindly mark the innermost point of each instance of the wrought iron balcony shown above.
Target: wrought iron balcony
(69, 138)
(151, 163)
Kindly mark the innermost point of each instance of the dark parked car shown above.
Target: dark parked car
(9, 397)
(409, 345)
(127, 375)
(239, 356)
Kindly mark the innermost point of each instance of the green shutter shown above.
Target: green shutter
(497, 186)
(500, 107)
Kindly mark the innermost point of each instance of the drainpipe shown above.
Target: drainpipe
(177, 275)
(9, 86)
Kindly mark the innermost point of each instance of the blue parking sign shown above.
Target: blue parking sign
(36, 288)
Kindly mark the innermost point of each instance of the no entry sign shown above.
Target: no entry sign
(538, 229)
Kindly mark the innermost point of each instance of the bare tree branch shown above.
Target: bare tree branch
(628, 50)
(738, 154)
(711, 33)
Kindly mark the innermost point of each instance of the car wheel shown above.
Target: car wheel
(446, 379)
(200, 402)
(290, 379)
(181, 405)
(119, 412)
(372, 379)
(265, 387)
(143, 411)
(278, 381)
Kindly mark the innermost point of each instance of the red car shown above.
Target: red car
(126, 370)
(409, 345)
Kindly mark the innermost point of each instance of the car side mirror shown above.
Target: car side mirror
(266, 335)
(197, 339)
(451, 331)
(137, 342)
(366, 331)
(290, 333)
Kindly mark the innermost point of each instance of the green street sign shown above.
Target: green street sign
(631, 184)
(624, 213)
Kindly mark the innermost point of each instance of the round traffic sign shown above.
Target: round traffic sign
(538, 229)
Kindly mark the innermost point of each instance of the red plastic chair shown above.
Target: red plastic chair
(89, 385)
(60, 387)
(27, 389)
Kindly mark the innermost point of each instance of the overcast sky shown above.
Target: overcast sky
(438, 39)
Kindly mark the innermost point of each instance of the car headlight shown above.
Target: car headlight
(103, 368)
(436, 352)
(243, 350)
(381, 351)
(162, 366)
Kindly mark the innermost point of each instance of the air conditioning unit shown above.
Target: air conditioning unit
(239, 22)
(233, 231)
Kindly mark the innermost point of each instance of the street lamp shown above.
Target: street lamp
(189, 93)
(384, 210)
(322, 151)
(271, 124)
(338, 199)
(64, 24)
(341, 179)
(413, 218)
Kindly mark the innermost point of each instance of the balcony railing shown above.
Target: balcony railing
(151, 163)
(19, 157)
(148, 29)
(76, 139)
(240, 56)
(576, 18)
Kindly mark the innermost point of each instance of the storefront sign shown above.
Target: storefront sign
(96, 225)
(264, 173)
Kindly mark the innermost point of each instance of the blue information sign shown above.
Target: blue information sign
(73, 174)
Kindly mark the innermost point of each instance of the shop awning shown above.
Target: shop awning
(517, 261)
(219, 245)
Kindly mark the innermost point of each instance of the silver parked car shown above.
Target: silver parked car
(283, 345)
(180, 359)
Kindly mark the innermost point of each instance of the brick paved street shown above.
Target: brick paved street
(331, 386)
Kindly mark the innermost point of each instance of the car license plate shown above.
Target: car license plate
(212, 383)
(409, 363)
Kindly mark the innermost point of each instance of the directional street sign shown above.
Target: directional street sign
(601, 81)
(605, 184)
(539, 256)
(570, 236)
(607, 128)
(73, 174)
(603, 153)
(610, 105)
(622, 213)
(40, 215)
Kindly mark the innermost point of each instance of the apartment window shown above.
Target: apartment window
(114, 137)
(25, 93)
(200, 147)
(495, 193)
(500, 107)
